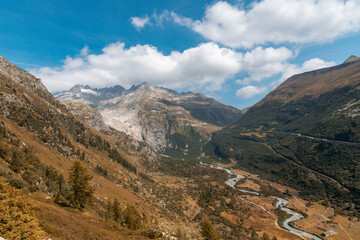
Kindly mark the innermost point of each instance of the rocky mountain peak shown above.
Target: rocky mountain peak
(154, 114)
(78, 87)
(352, 58)
(144, 87)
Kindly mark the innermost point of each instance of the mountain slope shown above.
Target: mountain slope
(162, 118)
(39, 141)
(321, 103)
(302, 133)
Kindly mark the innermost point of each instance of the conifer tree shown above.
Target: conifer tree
(265, 237)
(60, 196)
(80, 189)
(116, 212)
(208, 231)
(132, 217)
(108, 213)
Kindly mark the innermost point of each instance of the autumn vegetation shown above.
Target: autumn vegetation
(17, 218)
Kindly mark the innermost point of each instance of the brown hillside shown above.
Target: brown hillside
(316, 82)
(40, 137)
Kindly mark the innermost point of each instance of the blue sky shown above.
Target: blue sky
(235, 51)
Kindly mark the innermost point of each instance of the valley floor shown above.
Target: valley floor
(318, 218)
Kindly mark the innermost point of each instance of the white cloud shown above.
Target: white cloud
(262, 63)
(250, 91)
(276, 21)
(84, 51)
(139, 22)
(315, 63)
(160, 18)
(183, 21)
(205, 67)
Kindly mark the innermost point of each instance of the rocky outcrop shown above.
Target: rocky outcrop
(88, 114)
(23, 78)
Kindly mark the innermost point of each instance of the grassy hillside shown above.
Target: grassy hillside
(302, 135)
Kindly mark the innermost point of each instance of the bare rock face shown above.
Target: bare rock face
(23, 78)
(160, 117)
(88, 114)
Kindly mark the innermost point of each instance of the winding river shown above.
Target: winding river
(281, 203)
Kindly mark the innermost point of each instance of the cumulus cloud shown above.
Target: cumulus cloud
(262, 63)
(206, 67)
(250, 91)
(315, 63)
(276, 21)
(139, 22)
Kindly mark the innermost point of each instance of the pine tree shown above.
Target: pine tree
(82, 156)
(108, 213)
(80, 189)
(132, 217)
(60, 196)
(208, 231)
(265, 237)
(116, 212)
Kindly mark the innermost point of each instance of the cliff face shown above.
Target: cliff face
(162, 118)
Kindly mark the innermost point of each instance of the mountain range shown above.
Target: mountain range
(167, 121)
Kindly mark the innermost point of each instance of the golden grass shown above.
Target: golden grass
(250, 184)
(256, 134)
(230, 217)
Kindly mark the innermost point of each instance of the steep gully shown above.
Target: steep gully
(280, 204)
